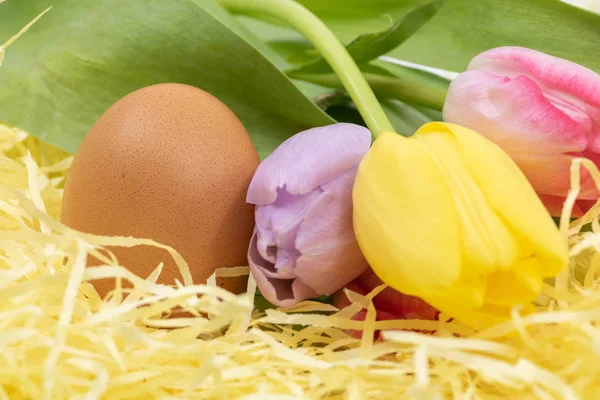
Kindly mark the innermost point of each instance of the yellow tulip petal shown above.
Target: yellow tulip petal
(404, 219)
(510, 195)
(467, 292)
(487, 244)
(477, 319)
(517, 287)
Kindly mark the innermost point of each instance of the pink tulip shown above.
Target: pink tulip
(304, 244)
(542, 110)
(389, 303)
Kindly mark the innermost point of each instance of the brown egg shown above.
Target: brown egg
(171, 163)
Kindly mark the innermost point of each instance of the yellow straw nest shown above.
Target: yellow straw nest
(59, 340)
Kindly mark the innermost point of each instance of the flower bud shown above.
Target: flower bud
(303, 244)
(389, 303)
(447, 216)
(543, 111)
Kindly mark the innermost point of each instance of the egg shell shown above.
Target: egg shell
(172, 163)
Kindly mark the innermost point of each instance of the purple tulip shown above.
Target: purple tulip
(303, 244)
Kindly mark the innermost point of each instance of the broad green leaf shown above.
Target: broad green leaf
(220, 13)
(83, 56)
(296, 52)
(424, 76)
(369, 46)
(269, 31)
(17, 35)
(464, 28)
(434, 115)
(351, 18)
(405, 119)
(348, 20)
(279, 60)
(412, 85)
(409, 88)
(339, 105)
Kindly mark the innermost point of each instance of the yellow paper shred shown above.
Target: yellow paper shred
(60, 340)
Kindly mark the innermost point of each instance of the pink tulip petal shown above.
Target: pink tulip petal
(535, 119)
(551, 175)
(542, 110)
(309, 159)
(565, 83)
(552, 73)
(522, 128)
(514, 114)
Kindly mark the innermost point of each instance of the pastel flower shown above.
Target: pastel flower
(541, 110)
(447, 216)
(389, 303)
(304, 245)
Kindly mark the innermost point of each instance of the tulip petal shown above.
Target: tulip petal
(281, 292)
(330, 256)
(555, 205)
(477, 319)
(518, 286)
(487, 244)
(515, 114)
(511, 196)
(283, 217)
(540, 109)
(467, 292)
(559, 77)
(392, 302)
(550, 174)
(307, 160)
(404, 217)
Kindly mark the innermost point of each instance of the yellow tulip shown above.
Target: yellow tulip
(447, 216)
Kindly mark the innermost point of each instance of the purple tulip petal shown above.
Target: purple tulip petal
(304, 243)
(307, 160)
(330, 256)
(281, 292)
(283, 217)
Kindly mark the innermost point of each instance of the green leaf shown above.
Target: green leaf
(369, 46)
(464, 28)
(83, 56)
(405, 118)
(348, 19)
(294, 51)
(340, 107)
(423, 77)
(351, 18)
(387, 86)
(261, 303)
(273, 54)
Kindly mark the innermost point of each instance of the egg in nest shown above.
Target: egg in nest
(171, 163)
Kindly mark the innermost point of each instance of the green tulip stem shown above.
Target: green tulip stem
(331, 49)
